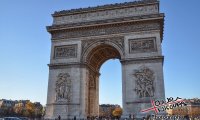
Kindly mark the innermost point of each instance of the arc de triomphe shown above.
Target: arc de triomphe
(83, 39)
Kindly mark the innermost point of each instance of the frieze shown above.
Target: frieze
(93, 31)
(108, 6)
(106, 14)
(66, 51)
(142, 45)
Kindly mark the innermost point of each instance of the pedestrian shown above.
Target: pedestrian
(133, 117)
(59, 118)
(130, 116)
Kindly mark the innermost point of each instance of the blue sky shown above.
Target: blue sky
(25, 49)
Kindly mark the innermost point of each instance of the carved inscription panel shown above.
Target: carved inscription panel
(67, 51)
(142, 45)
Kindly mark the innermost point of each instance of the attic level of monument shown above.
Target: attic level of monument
(107, 27)
(138, 8)
(105, 7)
(112, 19)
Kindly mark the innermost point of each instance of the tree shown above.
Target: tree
(39, 110)
(29, 110)
(117, 112)
(6, 111)
(19, 109)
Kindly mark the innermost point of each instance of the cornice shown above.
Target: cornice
(143, 60)
(72, 65)
(64, 65)
(104, 7)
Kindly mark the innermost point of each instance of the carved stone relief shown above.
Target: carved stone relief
(92, 82)
(106, 30)
(144, 82)
(63, 88)
(119, 41)
(142, 45)
(67, 51)
(100, 22)
(106, 14)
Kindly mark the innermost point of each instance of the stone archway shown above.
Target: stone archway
(82, 39)
(95, 58)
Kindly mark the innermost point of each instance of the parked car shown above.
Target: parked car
(23, 118)
(11, 118)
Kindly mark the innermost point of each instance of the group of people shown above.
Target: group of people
(102, 118)
(59, 118)
(131, 117)
(94, 118)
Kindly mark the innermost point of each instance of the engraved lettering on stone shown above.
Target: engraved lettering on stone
(142, 45)
(144, 82)
(63, 88)
(68, 51)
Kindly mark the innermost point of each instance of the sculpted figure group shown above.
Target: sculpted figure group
(144, 82)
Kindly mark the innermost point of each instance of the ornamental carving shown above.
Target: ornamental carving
(67, 51)
(92, 82)
(96, 31)
(107, 6)
(142, 45)
(63, 88)
(100, 22)
(144, 82)
(105, 14)
(119, 41)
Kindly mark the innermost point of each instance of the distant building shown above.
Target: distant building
(107, 109)
(7, 103)
(21, 103)
(191, 109)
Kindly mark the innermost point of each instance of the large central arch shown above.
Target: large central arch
(100, 51)
(95, 56)
(83, 39)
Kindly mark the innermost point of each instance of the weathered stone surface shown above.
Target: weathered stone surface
(142, 45)
(83, 39)
(68, 51)
(117, 11)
